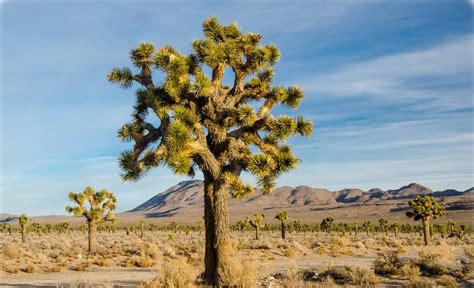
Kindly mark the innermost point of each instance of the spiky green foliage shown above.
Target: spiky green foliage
(327, 224)
(100, 208)
(425, 207)
(204, 124)
(282, 216)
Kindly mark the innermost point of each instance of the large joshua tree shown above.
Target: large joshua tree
(424, 209)
(205, 124)
(101, 206)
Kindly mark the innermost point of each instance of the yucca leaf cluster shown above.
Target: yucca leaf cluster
(425, 207)
(100, 205)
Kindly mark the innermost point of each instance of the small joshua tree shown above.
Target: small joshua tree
(367, 225)
(282, 216)
(383, 222)
(327, 224)
(395, 228)
(101, 206)
(141, 224)
(451, 227)
(23, 225)
(424, 209)
(255, 222)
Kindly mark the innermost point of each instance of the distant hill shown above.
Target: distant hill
(184, 203)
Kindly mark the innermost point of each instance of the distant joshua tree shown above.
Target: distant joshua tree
(255, 222)
(23, 225)
(395, 228)
(327, 224)
(101, 206)
(141, 224)
(424, 209)
(367, 225)
(282, 216)
(37, 227)
(383, 222)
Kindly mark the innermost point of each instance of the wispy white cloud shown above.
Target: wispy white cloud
(401, 77)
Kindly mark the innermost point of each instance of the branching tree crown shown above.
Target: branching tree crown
(205, 124)
(101, 205)
(425, 207)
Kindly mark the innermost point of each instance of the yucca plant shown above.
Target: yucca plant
(256, 223)
(141, 224)
(37, 227)
(383, 222)
(23, 220)
(395, 228)
(425, 208)
(327, 224)
(99, 210)
(367, 225)
(209, 126)
(282, 216)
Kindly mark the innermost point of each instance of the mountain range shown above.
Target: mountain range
(184, 203)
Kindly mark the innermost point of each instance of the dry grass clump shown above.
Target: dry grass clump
(29, 269)
(13, 251)
(241, 274)
(359, 276)
(174, 273)
(80, 284)
(12, 269)
(447, 281)
(54, 269)
(340, 246)
(102, 262)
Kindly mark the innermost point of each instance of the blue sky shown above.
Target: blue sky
(388, 85)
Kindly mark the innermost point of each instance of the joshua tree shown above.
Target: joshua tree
(207, 125)
(367, 225)
(383, 222)
(395, 228)
(255, 222)
(451, 227)
(282, 216)
(141, 224)
(23, 220)
(424, 209)
(37, 227)
(327, 224)
(101, 206)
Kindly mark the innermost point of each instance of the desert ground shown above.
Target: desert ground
(175, 259)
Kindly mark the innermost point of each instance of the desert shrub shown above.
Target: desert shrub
(447, 281)
(54, 269)
(177, 273)
(353, 275)
(102, 262)
(289, 252)
(80, 284)
(12, 269)
(420, 283)
(149, 250)
(388, 264)
(29, 269)
(144, 262)
(410, 271)
(13, 251)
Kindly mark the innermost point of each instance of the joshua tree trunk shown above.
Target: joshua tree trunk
(218, 248)
(92, 236)
(426, 230)
(141, 232)
(23, 236)
(283, 230)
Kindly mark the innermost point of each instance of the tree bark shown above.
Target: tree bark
(23, 235)
(92, 237)
(218, 248)
(426, 230)
(283, 230)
